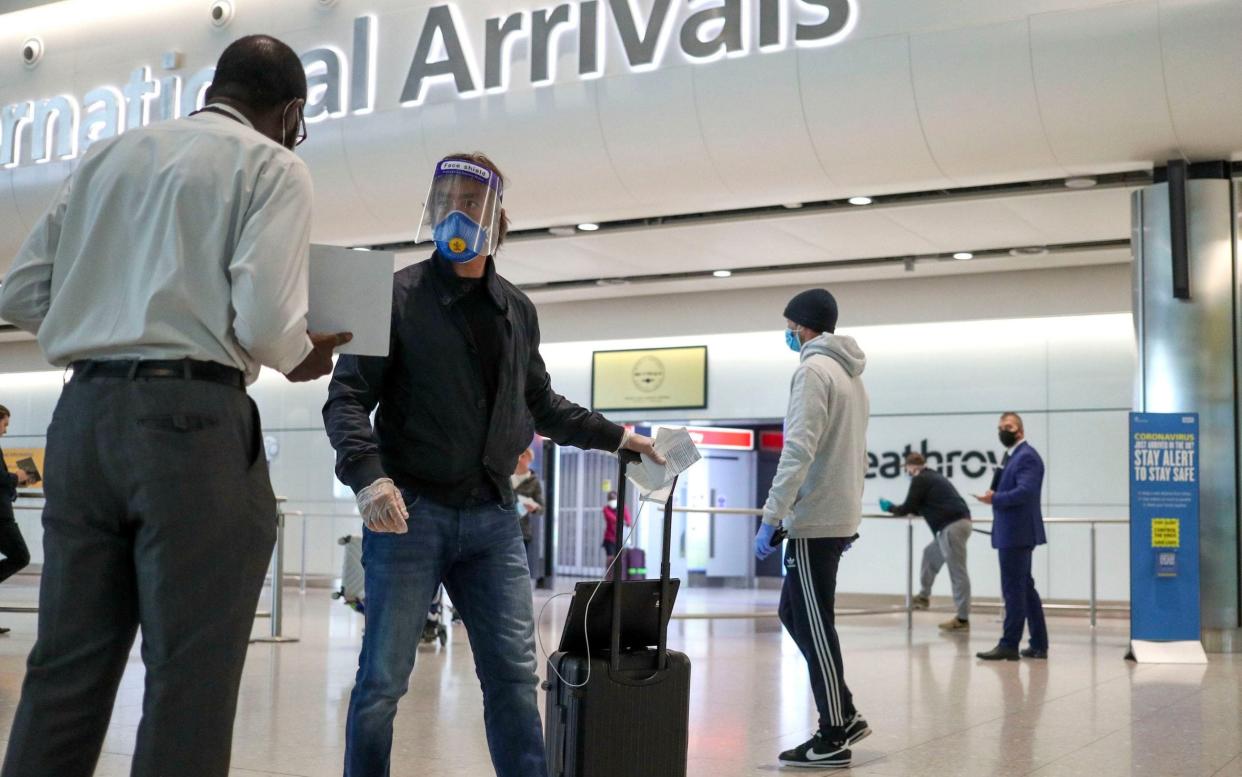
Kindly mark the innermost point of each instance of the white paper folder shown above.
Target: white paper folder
(351, 291)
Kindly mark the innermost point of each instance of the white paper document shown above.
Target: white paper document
(679, 452)
(351, 291)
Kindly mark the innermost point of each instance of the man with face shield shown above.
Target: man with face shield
(462, 213)
(170, 267)
(459, 396)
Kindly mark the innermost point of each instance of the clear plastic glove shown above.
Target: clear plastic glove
(383, 508)
(640, 444)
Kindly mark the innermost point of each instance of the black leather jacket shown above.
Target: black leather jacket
(431, 428)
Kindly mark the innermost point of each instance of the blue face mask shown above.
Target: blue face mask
(456, 235)
(791, 339)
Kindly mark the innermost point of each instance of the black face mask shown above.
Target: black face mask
(1008, 438)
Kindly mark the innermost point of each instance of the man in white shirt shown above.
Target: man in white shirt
(171, 265)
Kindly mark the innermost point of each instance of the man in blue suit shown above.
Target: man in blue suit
(1018, 526)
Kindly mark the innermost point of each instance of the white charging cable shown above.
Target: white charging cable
(585, 615)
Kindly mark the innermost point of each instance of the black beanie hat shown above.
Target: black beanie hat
(815, 309)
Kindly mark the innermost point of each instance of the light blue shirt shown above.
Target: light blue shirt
(186, 239)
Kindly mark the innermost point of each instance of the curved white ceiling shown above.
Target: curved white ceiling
(922, 94)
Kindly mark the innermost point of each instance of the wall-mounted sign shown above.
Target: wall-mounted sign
(473, 59)
(650, 379)
(28, 460)
(771, 441)
(972, 464)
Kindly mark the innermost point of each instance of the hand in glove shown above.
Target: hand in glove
(763, 541)
(640, 444)
(886, 505)
(383, 508)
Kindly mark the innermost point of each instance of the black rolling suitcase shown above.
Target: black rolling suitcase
(622, 712)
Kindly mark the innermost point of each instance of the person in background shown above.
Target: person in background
(1017, 528)
(528, 489)
(169, 268)
(612, 541)
(932, 496)
(817, 496)
(458, 398)
(12, 544)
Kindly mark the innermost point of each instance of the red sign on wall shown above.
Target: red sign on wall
(716, 438)
(771, 441)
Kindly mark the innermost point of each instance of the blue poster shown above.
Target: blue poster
(1164, 526)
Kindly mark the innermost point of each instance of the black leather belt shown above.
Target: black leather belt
(181, 369)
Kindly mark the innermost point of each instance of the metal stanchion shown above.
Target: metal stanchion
(278, 579)
(1093, 605)
(909, 574)
(302, 566)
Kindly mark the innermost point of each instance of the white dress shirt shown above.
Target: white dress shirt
(186, 239)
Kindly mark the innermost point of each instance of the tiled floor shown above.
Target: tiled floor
(934, 708)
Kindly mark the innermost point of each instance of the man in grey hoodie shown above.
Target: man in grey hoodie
(817, 494)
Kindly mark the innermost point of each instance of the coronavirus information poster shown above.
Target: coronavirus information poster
(1164, 526)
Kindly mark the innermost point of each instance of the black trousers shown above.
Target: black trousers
(807, 612)
(159, 515)
(12, 544)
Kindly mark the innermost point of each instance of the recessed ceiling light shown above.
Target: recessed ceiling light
(861, 200)
(588, 227)
(1029, 251)
(562, 231)
(722, 274)
(963, 255)
(611, 282)
(1080, 182)
(792, 205)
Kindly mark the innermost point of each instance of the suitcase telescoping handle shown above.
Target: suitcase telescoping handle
(666, 612)
(624, 457)
(666, 607)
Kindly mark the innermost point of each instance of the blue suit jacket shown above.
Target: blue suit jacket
(1019, 520)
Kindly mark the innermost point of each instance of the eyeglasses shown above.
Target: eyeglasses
(302, 135)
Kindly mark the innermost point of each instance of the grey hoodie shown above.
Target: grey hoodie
(818, 487)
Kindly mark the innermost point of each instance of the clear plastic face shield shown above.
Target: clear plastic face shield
(462, 211)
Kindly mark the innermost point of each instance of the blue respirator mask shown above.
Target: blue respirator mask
(791, 339)
(457, 236)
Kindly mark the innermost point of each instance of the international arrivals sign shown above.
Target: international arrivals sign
(470, 59)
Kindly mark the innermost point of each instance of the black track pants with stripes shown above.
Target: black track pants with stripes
(807, 612)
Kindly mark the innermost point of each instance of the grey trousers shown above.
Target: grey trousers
(949, 546)
(159, 516)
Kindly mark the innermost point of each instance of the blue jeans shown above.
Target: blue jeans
(479, 556)
(1022, 603)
